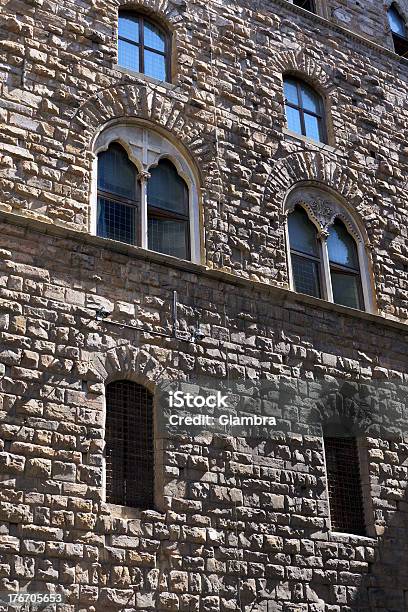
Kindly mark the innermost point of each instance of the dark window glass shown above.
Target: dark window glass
(302, 233)
(116, 173)
(344, 267)
(118, 204)
(304, 109)
(344, 484)
(346, 289)
(308, 5)
(129, 445)
(169, 236)
(142, 46)
(168, 211)
(342, 247)
(166, 189)
(305, 253)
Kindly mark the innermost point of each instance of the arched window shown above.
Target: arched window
(308, 5)
(118, 200)
(129, 445)
(398, 30)
(143, 46)
(305, 253)
(304, 109)
(326, 259)
(344, 267)
(147, 200)
(167, 210)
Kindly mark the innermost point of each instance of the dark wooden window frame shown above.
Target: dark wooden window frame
(321, 116)
(142, 47)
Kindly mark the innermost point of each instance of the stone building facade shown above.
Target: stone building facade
(235, 525)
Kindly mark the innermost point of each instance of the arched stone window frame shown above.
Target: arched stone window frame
(322, 208)
(146, 145)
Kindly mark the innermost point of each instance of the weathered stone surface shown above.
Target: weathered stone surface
(238, 525)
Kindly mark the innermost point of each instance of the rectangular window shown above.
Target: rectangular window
(344, 484)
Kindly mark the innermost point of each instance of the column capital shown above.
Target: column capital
(144, 176)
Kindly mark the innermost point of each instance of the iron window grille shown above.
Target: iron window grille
(344, 485)
(129, 445)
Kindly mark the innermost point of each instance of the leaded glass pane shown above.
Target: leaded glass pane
(397, 24)
(128, 55)
(129, 27)
(291, 93)
(306, 275)
(302, 233)
(312, 127)
(169, 236)
(116, 173)
(116, 221)
(342, 247)
(166, 189)
(346, 289)
(153, 38)
(155, 65)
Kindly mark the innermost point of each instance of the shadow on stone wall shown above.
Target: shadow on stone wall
(385, 587)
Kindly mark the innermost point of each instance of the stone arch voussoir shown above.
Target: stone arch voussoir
(298, 62)
(128, 363)
(143, 101)
(318, 169)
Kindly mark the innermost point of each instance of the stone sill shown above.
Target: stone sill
(143, 77)
(282, 296)
(320, 146)
(319, 19)
(340, 537)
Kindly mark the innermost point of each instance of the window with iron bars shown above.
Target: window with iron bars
(344, 485)
(129, 445)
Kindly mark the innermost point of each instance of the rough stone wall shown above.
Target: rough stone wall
(239, 527)
(59, 87)
(238, 523)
